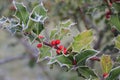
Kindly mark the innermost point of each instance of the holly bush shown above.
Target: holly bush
(70, 49)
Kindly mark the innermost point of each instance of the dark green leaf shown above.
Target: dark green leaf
(115, 21)
(62, 60)
(44, 53)
(38, 28)
(114, 73)
(39, 13)
(82, 56)
(22, 14)
(87, 72)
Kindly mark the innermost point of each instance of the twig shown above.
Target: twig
(83, 18)
(10, 59)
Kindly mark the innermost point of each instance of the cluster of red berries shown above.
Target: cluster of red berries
(56, 44)
(60, 48)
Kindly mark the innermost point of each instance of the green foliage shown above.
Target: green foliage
(62, 61)
(106, 63)
(82, 40)
(87, 72)
(83, 56)
(114, 73)
(117, 42)
(44, 53)
(31, 25)
(115, 21)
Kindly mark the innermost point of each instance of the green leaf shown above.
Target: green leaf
(114, 73)
(83, 56)
(63, 33)
(44, 53)
(82, 40)
(115, 21)
(87, 72)
(106, 63)
(117, 42)
(39, 13)
(38, 28)
(116, 6)
(67, 24)
(22, 14)
(62, 61)
(3, 19)
(53, 33)
(37, 18)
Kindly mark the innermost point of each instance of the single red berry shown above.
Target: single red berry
(12, 8)
(105, 75)
(65, 51)
(61, 47)
(74, 62)
(57, 42)
(53, 43)
(58, 51)
(39, 45)
(107, 14)
(110, 4)
(40, 37)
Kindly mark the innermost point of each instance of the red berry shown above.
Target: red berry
(105, 75)
(39, 45)
(110, 3)
(65, 51)
(57, 42)
(58, 51)
(53, 43)
(74, 62)
(40, 37)
(61, 47)
(12, 8)
(107, 14)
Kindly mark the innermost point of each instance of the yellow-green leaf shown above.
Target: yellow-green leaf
(117, 42)
(82, 40)
(106, 63)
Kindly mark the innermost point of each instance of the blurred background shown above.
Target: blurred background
(15, 66)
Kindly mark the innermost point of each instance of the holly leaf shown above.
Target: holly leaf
(87, 72)
(115, 21)
(67, 24)
(39, 13)
(83, 56)
(22, 14)
(114, 73)
(63, 33)
(3, 19)
(117, 42)
(106, 63)
(82, 40)
(53, 33)
(38, 28)
(62, 61)
(37, 18)
(44, 53)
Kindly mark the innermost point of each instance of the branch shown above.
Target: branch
(10, 59)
